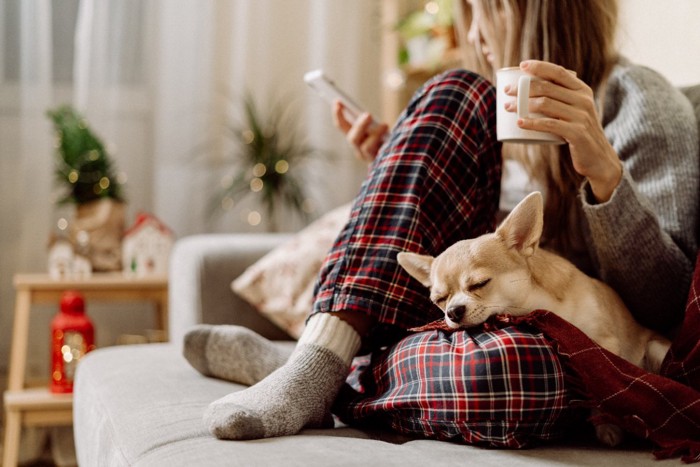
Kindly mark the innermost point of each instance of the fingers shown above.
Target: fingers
(364, 134)
(360, 130)
(553, 73)
(556, 94)
(540, 88)
(554, 108)
(339, 119)
(366, 137)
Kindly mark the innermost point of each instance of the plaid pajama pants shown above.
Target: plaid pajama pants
(436, 181)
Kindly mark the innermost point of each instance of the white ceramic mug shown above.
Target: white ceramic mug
(507, 128)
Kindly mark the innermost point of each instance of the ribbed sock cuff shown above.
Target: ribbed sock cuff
(332, 333)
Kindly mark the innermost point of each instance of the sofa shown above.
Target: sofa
(142, 405)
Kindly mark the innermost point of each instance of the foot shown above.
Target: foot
(609, 434)
(232, 353)
(295, 396)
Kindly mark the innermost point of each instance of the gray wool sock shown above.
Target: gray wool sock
(232, 353)
(299, 394)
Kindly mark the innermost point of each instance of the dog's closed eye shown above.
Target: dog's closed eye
(440, 300)
(439, 296)
(478, 285)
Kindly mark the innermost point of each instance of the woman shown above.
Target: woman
(621, 202)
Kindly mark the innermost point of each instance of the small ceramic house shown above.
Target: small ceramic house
(146, 247)
(65, 262)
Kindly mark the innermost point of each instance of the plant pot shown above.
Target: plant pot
(97, 231)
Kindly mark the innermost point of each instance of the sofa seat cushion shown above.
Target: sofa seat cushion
(142, 405)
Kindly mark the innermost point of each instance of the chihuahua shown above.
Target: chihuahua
(506, 272)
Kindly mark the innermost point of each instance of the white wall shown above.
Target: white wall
(663, 35)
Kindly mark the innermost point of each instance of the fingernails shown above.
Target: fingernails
(521, 122)
(525, 65)
(510, 105)
(507, 88)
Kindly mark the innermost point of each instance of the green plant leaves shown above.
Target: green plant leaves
(83, 166)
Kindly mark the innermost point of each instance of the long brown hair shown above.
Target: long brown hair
(576, 34)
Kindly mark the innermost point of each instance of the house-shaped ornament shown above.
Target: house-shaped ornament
(65, 262)
(146, 247)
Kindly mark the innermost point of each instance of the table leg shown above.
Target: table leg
(20, 336)
(162, 313)
(13, 427)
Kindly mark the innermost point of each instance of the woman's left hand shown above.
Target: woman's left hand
(569, 108)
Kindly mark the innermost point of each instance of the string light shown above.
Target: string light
(227, 203)
(281, 166)
(309, 206)
(73, 176)
(248, 136)
(256, 185)
(432, 8)
(62, 224)
(259, 169)
(395, 79)
(254, 218)
(104, 183)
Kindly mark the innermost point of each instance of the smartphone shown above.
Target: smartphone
(329, 91)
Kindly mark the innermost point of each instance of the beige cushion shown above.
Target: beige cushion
(280, 284)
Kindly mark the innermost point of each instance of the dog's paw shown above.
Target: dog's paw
(609, 434)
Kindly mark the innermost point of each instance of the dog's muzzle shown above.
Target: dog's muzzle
(456, 313)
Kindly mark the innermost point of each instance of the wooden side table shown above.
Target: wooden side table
(38, 406)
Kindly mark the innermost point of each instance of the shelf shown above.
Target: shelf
(40, 407)
(96, 281)
(400, 81)
(37, 399)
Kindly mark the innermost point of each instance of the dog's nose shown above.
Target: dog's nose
(456, 313)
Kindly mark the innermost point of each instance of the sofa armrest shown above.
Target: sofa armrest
(201, 270)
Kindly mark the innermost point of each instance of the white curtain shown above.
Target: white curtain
(158, 80)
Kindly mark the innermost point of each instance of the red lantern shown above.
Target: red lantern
(72, 336)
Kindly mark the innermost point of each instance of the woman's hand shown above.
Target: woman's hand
(570, 112)
(364, 135)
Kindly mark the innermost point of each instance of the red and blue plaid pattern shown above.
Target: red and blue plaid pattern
(435, 181)
(499, 388)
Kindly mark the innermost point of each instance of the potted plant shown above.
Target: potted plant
(86, 173)
(426, 34)
(267, 157)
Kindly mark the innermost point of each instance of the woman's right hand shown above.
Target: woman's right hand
(364, 135)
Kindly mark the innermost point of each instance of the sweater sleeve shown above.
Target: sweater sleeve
(644, 239)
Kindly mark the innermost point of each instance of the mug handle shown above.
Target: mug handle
(523, 96)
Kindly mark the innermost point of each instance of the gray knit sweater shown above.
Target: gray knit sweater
(643, 240)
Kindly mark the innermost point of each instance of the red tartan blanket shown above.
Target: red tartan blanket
(664, 409)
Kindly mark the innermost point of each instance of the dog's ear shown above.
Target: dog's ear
(522, 228)
(418, 266)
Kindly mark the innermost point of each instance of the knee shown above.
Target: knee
(491, 365)
(461, 85)
(460, 77)
(459, 96)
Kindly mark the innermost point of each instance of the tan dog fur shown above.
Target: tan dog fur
(506, 272)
